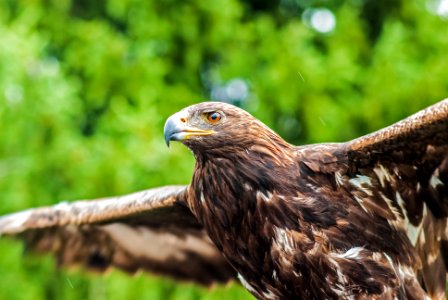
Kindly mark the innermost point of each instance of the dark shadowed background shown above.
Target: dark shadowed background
(85, 87)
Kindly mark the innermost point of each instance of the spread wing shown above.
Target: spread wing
(151, 230)
(401, 172)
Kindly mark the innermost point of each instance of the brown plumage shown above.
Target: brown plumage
(150, 230)
(366, 219)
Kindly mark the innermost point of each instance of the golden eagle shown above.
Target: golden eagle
(365, 219)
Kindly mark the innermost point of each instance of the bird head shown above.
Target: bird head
(208, 125)
(223, 130)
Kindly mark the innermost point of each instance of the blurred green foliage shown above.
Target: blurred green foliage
(85, 87)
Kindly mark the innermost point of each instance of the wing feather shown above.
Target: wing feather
(407, 167)
(428, 126)
(151, 230)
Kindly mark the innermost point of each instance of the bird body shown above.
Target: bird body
(365, 219)
(311, 222)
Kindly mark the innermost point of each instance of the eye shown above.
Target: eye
(214, 117)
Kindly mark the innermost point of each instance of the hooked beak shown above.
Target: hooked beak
(176, 129)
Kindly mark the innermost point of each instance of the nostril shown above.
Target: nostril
(183, 120)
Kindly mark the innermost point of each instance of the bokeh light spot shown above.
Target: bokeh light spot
(438, 7)
(322, 20)
(235, 91)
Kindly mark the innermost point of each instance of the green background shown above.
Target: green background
(85, 87)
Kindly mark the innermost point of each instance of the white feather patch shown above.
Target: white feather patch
(246, 284)
(283, 240)
(269, 295)
(265, 197)
(298, 275)
(274, 275)
(360, 182)
(339, 179)
(393, 209)
(435, 180)
(339, 287)
(382, 174)
(400, 203)
(413, 232)
(361, 203)
(352, 253)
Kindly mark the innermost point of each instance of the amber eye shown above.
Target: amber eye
(214, 117)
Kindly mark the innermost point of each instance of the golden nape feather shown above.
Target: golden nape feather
(365, 219)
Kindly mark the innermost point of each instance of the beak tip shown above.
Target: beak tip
(167, 139)
(169, 129)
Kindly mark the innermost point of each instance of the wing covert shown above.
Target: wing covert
(404, 169)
